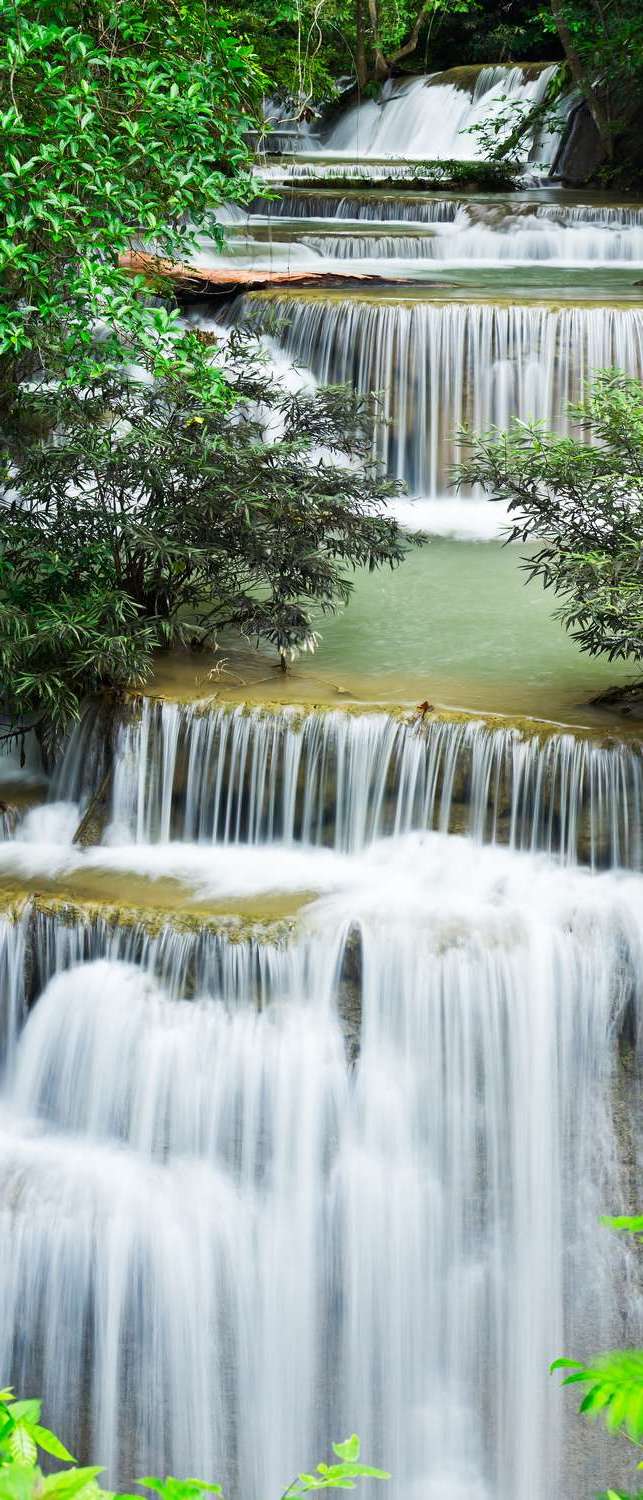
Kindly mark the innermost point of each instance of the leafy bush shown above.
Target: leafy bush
(21, 1478)
(118, 121)
(581, 502)
(470, 176)
(165, 512)
(615, 1380)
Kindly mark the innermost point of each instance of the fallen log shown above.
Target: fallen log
(224, 280)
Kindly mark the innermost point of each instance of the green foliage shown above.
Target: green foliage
(615, 1389)
(604, 47)
(117, 121)
(179, 1489)
(339, 1476)
(581, 502)
(21, 1433)
(448, 174)
(631, 1224)
(295, 41)
(306, 47)
(21, 1478)
(615, 1380)
(505, 134)
(480, 176)
(168, 511)
(620, 1495)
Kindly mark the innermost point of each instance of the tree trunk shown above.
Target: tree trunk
(384, 63)
(381, 64)
(582, 80)
(361, 64)
(405, 48)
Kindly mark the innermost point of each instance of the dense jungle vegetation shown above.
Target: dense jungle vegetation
(120, 122)
(310, 48)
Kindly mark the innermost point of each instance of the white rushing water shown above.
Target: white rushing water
(438, 366)
(234, 1245)
(425, 117)
(393, 233)
(343, 779)
(399, 209)
(530, 239)
(407, 209)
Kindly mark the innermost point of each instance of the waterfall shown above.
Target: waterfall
(433, 119)
(344, 779)
(434, 210)
(203, 959)
(269, 1179)
(410, 174)
(446, 230)
(441, 365)
(531, 239)
(13, 929)
(615, 216)
(299, 205)
(234, 1245)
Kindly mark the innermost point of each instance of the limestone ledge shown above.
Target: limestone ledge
(258, 920)
(297, 712)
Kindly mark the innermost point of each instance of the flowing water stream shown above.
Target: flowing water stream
(266, 1179)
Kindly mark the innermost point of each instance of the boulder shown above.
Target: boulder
(581, 151)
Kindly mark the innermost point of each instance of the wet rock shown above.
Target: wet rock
(626, 700)
(581, 151)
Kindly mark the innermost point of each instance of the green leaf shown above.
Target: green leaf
(70, 1482)
(349, 1449)
(632, 1224)
(25, 1411)
(21, 1444)
(51, 1444)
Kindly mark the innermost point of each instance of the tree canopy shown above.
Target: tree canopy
(579, 499)
(167, 511)
(119, 122)
(309, 48)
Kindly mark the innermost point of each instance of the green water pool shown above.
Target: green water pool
(459, 624)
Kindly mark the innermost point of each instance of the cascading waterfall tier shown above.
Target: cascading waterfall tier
(435, 210)
(343, 779)
(307, 170)
(438, 366)
(526, 239)
(449, 230)
(435, 117)
(199, 957)
(233, 1245)
(265, 1183)
(298, 205)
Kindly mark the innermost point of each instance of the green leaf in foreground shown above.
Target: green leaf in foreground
(629, 1223)
(615, 1389)
(340, 1476)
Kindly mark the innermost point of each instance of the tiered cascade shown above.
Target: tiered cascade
(234, 1238)
(441, 365)
(266, 1180)
(344, 779)
(435, 117)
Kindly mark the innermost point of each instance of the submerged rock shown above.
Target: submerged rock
(626, 699)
